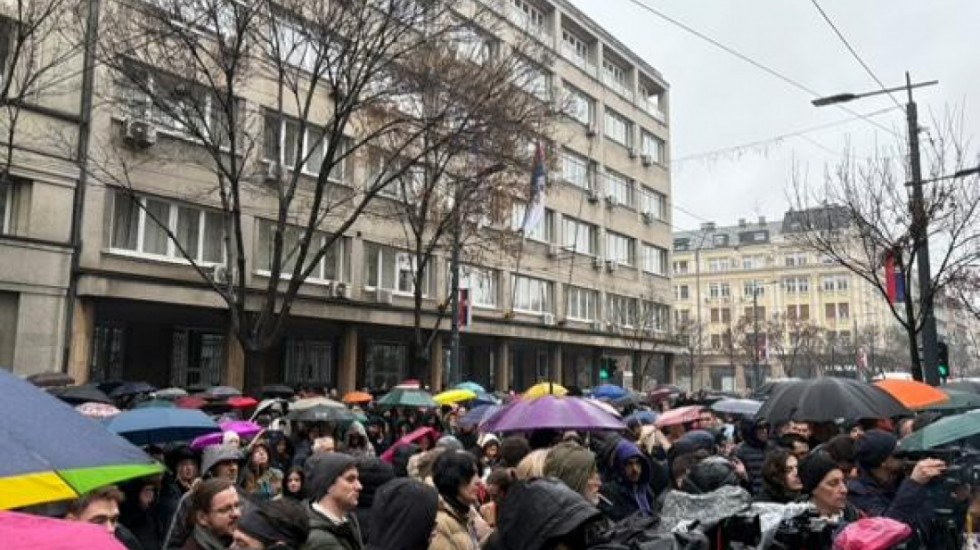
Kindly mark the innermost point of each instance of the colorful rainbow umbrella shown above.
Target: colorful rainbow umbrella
(52, 453)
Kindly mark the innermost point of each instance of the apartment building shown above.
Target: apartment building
(733, 279)
(592, 276)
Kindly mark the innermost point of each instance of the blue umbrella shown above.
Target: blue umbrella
(609, 391)
(478, 414)
(643, 417)
(158, 425)
(484, 398)
(472, 386)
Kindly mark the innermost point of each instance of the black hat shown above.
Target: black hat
(874, 448)
(813, 468)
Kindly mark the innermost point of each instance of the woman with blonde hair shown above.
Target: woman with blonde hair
(532, 465)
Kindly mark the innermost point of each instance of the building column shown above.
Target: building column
(234, 367)
(501, 370)
(740, 381)
(556, 364)
(670, 368)
(437, 360)
(347, 371)
(82, 334)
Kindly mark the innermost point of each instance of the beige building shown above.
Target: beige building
(594, 267)
(721, 273)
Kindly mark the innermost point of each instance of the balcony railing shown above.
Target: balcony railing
(617, 86)
(569, 52)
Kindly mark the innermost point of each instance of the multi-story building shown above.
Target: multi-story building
(959, 327)
(754, 280)
(598, 259)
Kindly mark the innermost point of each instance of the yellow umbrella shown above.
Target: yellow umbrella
(450, 397)
(545, 388)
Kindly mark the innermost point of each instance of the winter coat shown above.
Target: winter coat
(403, 516)
(200, 539)
(625, 498)
(365, 449)
(179, 532)
(453, 530)
(909, 504)
(537, 511)
(752, 452)
(327, 535)
(372, 473)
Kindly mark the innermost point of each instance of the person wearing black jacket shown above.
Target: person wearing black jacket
(403, 516)
(752, 450)
(543, 513)
(629, 491)
(373, 474)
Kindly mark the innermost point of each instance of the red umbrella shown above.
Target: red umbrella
(40, 533)
(389, 455)
(242, 402)
(410, 383)
(191, 402)
(681, 415)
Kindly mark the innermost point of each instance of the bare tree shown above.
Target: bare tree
(687, 333)
(796, 344)
(271, 103)
(859, 217)
(644, 323)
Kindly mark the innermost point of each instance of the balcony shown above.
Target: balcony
(653, 109)
(617, 86)
(576, 58)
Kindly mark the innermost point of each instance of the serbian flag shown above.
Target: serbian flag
(465, 311)
(534, 212)
(894, 280)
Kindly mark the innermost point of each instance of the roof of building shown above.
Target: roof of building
(761, 231)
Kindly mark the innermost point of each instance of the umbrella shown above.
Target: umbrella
(76, 395)
(680, 415)
(190, 402)
(274, 407)
(828, 399)
(131, 388)
(609, 391)
(942, 431)
(551, 412)
(244, 428)
(478, 414)
(50, 378)
(958, 400)
(963, 385)
(97, 411)
(155, 425)
(912, 394)
(767, 388)
(358, 397)
(50, 452)
(407, 397)
(411, 384)
(451, 397)
(156, 404)
(472, 386)
(28, 531)
(389, 455)
(242, 402)
(484, 398)
(310, 402)
(643, 417)
(220, 392)
(629, 400)
(744, 407)
(663, 394)
(545, 388)
(322, 413)
(605, 407)
(276, 390)
(170, 393)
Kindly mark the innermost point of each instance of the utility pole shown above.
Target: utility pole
(454, 363)
(755, 331)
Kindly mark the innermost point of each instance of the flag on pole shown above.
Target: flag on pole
(534, 212)
(894, 280)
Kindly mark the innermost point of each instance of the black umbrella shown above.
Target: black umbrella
(322, 413)
(767, 388)
(276, 390)
(49, 379)
(132, 388)
(76, 395)
(828, 399)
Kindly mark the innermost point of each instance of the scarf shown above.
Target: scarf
(207, 540)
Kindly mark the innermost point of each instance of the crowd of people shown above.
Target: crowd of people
(318, 486)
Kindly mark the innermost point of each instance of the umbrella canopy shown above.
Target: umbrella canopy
(28, 531)
(170, 393)
(220, 392)
(609, 391)
(411, 384)
(680, 415)
(551, 412)
(50, 452)
(50, 379)
(76, 395)
(156, 404)
(828, 399)
(389, 455)
(662, 394)
(484, 398)
(244, 428)
(190, 402)
(912, 394)
(276, 407)
(310, 402)
(631, 399)
(472, 386)
(745, 407)
(358, 397)
(132, 388)
(98, 411)
(407, 397)
(963, 385)
(543, 389)
(943, 431)
(322, 413)
(767, 388)
(242, 402)
(450, 397)
(478, 414)
(276, 390)
(958, 401)
(643, 417)
(605, 407)
(156, 425)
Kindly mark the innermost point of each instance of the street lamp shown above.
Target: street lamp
(919, 228)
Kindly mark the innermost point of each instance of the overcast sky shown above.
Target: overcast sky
(718, 101)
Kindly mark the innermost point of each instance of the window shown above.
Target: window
(615, 76)
(108, 353)
(653, 203)
(651, 100)
(760, 313)
(581, 106)
(799, 312)
(532, 295)
(715, 315)
(719, 290)
(618, 128)
(619, 188)
(796, 259)
(284, 140)
(575, 170)
(683, 292)
(753, 262)
(385, 364)
(657, 316)
(836, 283)
(197, 358)
(173, 105)
(620, 248)
(308, 361)
(534, 80)
(574, 48)
(393, 269)
(715, 341)
(471, 44)
(529, 15)
(8, 206)
(830, 311)
(719, 240)
(623, 310)
(140, 225)
(578, 236)
(294, 48)
(680, 267)
(543, 231)
(654, 260)
(718, 265)
(329, 268)
(653, 147)
(683, 317)
(481, 282)
(753, 288)
(843, 311)
(581, 303)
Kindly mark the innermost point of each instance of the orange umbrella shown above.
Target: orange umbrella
(912, 394)
(358, 397)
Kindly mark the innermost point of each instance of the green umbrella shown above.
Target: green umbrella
(407, 397)
(958, 400)
(942, 431)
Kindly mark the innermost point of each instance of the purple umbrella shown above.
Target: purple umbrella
(244, 429)
(551, 412)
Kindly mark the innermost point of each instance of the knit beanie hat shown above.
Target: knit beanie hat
(572, 464)
(322, 470)
(874, 448)
(813, 468)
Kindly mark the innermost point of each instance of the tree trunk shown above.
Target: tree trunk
(259, 362)
(914, 354)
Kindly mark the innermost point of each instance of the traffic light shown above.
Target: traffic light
(943, 353)
(607, 369)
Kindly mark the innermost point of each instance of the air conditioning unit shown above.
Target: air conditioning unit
(647, 217)
(598, 326)
(611, 201)
(632, 152)
(383, 296)
(341, 290)
(548, 319)
(273, 171)
(598, 262)
(139, 132)
(553, 251)
(219, 274)
(611, 266)
(592, 194)
(647, 160)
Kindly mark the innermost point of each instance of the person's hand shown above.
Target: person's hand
(739, 467)
(927, 469)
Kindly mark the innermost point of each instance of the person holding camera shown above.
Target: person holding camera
(881, 488)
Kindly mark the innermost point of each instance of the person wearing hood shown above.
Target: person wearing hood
(401, 457)
(543, 514)
(334, 489)
(489, 451)
(279, 525)
(575, 466)
(356, 441)
(139, 512)
(455, 475)
(629, 491)
(752, 450)
(403, 516)
(376, 435)
(183, 469)
(373, 474)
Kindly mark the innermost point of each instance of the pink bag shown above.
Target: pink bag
(872, 534)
